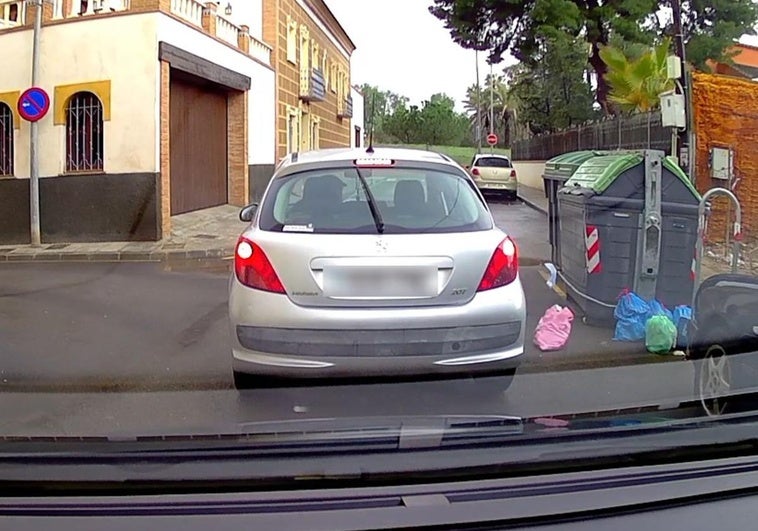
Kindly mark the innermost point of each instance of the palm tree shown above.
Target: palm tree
(502, 106)
(636, 83)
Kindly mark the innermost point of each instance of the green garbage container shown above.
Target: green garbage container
(558, 170)
(628, 221)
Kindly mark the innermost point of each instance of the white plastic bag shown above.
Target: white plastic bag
(554, 328)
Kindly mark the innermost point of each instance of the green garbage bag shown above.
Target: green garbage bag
(660, 334)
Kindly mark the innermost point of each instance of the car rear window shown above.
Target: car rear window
(408, 201)
(493, 162)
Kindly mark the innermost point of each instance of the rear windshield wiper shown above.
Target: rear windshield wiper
(378, 221)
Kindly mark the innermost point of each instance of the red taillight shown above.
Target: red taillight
(513, 174)
(475, 171)
(503, 266)
(253, 268)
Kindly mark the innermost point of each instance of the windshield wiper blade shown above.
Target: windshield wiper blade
(378, 221)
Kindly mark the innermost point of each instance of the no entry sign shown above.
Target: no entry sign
(33, 104)
(492, 139)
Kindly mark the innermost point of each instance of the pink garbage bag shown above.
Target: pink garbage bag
(554, 328)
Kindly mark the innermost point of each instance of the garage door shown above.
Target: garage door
(198, 144)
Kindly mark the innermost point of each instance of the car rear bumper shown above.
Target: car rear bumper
(273, 336)
(498, 186)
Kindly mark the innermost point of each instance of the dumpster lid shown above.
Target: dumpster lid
(564, 165)
(599, 172)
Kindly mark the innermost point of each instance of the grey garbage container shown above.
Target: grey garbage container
(610, 240)
(558, 170)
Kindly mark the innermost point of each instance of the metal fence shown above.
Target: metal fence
(621, 132)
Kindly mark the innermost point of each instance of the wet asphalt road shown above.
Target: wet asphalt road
(160, 326)
(144, 347)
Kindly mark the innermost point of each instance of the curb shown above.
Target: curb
(109, 256)
(532, 204)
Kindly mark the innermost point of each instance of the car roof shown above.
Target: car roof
(491, 155)
(349, 154)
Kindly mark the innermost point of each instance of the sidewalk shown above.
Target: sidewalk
(209, 233)
(534, 197)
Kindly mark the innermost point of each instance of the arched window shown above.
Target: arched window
(6, 140)
(84, 133)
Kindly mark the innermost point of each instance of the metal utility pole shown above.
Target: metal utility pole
(683, 136)
(34, 137)
(492, 106)
(478, 107)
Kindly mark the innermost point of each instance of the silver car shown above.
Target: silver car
(373, 263)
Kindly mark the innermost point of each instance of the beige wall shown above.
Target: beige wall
(122, 49)
(530, 173)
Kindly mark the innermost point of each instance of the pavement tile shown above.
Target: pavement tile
(19, 257)
(47, 257)
(105, 257)
(196, 253)
(159, 255)
(135, 256)
(75, 257)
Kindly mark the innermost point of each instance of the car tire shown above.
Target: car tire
(509, 196)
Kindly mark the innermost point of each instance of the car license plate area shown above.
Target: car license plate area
(380, 282)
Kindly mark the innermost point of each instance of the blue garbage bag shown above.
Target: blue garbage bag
(631, 314)
(682, 316)
(657, 308)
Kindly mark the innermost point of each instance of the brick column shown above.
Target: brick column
(209, 17)
(243, 39)
(67, 7)
(31, 13)
(150, 5)
(239, 187)
(165, 150)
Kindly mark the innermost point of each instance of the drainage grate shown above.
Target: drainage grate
(57, 246)
(205, 236)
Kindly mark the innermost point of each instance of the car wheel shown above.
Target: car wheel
(713, 374)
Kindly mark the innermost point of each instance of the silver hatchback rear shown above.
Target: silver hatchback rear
(374, 265)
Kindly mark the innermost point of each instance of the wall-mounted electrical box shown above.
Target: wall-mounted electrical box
(722, 163)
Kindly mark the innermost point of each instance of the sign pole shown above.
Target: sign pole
(492, 107)
(34, 137)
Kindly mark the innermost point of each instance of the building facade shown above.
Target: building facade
(158, 108)
(311, 53)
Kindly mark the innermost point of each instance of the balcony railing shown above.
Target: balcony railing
(312, 85)
(260, 50)
(189, 10)
(345, 107)
(92, 7)
(14, 14)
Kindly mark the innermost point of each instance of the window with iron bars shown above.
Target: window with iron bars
(84, 133)
(6, 140)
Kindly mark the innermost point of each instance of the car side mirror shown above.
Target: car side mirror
(247, 213)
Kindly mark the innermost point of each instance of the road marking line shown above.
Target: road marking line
(556, 288)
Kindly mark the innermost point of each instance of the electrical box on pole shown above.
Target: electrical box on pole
(673, 110)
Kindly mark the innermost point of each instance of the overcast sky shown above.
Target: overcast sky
(401, 47)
